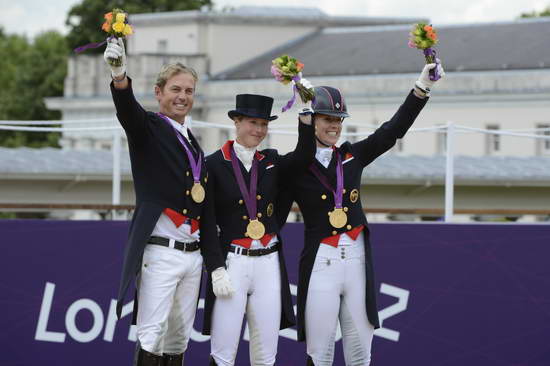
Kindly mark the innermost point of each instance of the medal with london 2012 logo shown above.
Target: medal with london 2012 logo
(337, 218)
(197, 192)
(255, 229)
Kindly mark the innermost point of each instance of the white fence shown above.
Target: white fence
(450, 129)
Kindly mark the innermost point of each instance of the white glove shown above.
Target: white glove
(305, 82)
(221, 284)
(424, 82)
(305, 111)
(115, 49)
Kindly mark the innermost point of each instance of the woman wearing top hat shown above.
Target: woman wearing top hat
(336, 280)
(244, 183)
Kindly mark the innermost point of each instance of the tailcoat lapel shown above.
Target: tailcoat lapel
(170, 140)
(263, 162)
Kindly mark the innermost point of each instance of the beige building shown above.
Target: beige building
(228, 39)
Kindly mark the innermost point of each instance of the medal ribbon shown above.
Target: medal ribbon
(249, 197)
(195, 164)
(338, 194)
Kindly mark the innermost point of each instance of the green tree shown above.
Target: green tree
(13, 50)
(534, 14)
(30, 72)
(84, 19)
(33, 70)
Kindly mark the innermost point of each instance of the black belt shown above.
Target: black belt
(254, 252)
(186, 247)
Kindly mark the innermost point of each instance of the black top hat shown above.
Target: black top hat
(252, 105)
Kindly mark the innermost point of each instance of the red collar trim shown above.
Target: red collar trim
(226, 151)
(259, 156)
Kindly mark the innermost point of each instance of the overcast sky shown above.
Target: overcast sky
(33, 16)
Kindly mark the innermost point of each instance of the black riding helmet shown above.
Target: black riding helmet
(329, 101)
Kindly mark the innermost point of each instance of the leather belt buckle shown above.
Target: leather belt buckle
(242, 251)
(238, 250)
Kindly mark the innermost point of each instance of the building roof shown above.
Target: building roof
(283, 11)
(268, 15)
(49, 163)
(485, 170)
(513, 45)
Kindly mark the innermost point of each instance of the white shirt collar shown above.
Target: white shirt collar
(324, 155)
(181, 127)
(245, 154)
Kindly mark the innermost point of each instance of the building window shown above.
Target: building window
(266, 143)
(492, 142)
(224, 136)
(543, 145)
(198, 136)
(86, 144)
(352, 129)
(83, 66)
(399, 145)
(162, 46)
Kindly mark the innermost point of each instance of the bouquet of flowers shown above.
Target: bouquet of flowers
(423, 36)
(287, 69)
(116, 25)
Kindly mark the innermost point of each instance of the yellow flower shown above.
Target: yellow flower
(118, 27)
(120, 17)
(127, 30)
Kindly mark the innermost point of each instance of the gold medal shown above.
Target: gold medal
(255, 229)
(269, 210)
(337, 218)
(197, 192)
(354, 195)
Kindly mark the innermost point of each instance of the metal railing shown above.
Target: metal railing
(450, 129)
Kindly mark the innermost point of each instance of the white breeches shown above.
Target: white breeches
(257, 284)
(168, 291)
(337, 291)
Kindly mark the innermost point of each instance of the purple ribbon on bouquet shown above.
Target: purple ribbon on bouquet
(92, 45)
(290, 103)
(434, 74)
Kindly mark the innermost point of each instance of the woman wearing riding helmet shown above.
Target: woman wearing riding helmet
(336, 278)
